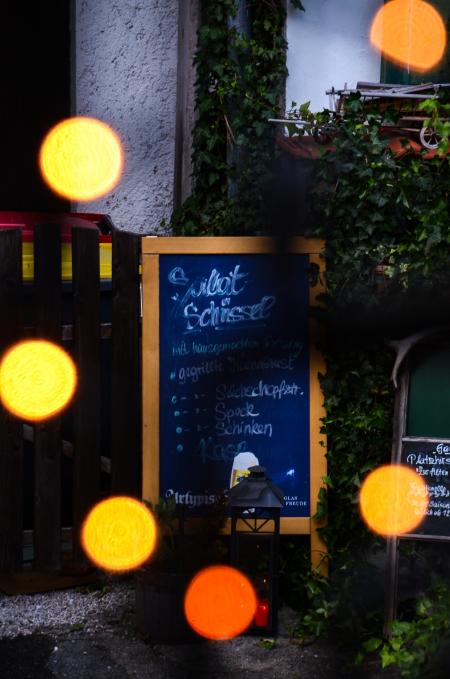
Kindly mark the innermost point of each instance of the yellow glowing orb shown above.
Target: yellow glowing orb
(409, 32)
(393, 500)
(119, 534)
(220, 602)
(81, 158)
(37, 379)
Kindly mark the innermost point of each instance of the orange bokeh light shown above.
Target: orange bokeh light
(119, 534)
(409, 32)
(393, 500)
(37, 379)
(220, 602)
(81, 158)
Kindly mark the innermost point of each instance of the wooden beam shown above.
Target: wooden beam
(126, 401)
(150, 379)
(67, 331)
(67, 449)
(86, 307)
(318, 444)
(11, 447)
(47, 438)
(239, 245)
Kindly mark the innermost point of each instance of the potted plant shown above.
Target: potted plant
(184, 547)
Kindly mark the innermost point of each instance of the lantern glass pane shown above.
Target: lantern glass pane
(254, 552)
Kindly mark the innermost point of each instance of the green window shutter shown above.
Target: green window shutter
(428, 411)
(393, 73)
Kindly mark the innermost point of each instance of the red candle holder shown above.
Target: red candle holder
(262, 613)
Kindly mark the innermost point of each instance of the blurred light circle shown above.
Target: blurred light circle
(393, 500)
(37, 379)
(81, 158)
(220, 602)
(119, 534)
(410, 33)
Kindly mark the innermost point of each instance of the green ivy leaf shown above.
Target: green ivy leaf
(400, 627)
(268, 643)
(372, 644)
(387, 657)
(396, 643)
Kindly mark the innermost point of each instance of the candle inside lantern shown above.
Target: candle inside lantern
(262, 613)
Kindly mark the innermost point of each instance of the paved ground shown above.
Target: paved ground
(106, 646)
(110, 656)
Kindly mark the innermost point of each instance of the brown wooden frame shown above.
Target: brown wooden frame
(152, 248)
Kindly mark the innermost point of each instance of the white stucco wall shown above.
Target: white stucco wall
(124, 73)
(329, 45)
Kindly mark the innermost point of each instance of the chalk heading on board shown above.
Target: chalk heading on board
(220, 311)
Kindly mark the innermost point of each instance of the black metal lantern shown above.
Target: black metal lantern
(255, 505)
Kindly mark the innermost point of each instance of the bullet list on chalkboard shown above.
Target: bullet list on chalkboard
(243, 390)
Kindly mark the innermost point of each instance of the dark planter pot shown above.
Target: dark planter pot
(159, 607)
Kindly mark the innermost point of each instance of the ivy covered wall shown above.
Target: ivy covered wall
(240, 85)
(386, 221)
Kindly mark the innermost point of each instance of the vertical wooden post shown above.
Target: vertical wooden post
(150, 382)
(318, 444)
(47, 438)
(392, 544)
(86, 301)
(126, 402)
(391, 586)
(11, 447)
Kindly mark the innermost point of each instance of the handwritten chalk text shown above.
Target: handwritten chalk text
(260, 390)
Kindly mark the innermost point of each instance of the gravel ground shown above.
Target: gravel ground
(90, 635)
(65, 610)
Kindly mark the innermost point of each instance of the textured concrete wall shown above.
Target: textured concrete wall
(329, 45)
(125, 68)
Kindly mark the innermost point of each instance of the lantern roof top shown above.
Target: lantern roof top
(256, 490)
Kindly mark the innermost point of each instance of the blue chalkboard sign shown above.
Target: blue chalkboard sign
(234, 373)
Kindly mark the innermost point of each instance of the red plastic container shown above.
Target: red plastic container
(28, 220)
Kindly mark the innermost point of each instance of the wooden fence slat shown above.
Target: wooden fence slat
(125, 415)
(86, 304)
(47, 477)
(11, 447)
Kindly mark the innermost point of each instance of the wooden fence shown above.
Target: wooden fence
(123, 402)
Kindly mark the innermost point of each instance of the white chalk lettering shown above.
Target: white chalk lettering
(215, 284)
(207, 449)
(259, 390)
(224, 347)
(224, 414)
(235, 428)
(193, 372)
(215, 316)
(238, 364)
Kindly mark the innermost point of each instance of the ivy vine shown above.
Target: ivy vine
(385, 216)
(240, 82)
(386, 221)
